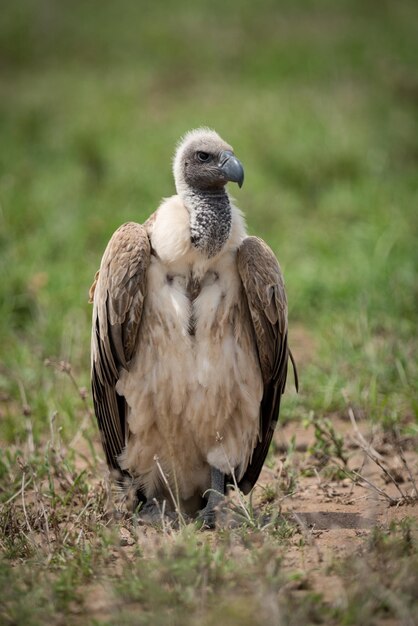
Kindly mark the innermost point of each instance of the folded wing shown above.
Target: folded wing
(263, 285)
(118, 294)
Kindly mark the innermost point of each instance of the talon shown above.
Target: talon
(208, 517)
(153, 513)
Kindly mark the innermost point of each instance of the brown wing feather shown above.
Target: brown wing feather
(118, 294)
(263, 284)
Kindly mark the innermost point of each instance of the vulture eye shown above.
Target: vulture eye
(204, 157)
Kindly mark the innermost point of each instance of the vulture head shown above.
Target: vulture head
(205, 163)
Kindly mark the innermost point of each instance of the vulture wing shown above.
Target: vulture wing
(263, 284)
(118, 296)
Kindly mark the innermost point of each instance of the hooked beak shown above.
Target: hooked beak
(231, 168)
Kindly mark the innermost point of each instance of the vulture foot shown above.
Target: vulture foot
(153, 513)
(207, 517)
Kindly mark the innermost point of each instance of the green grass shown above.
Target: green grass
(319, 100)
(383, 581)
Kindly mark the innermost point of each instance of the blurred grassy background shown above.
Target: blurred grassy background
(319, 100)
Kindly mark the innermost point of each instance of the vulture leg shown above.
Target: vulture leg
(216, 495)
(139, 500)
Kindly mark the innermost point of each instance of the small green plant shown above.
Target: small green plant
(327, 444)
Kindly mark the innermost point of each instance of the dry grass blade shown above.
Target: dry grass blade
(175, 501)
(392, 501)
(247, 515)
(360, 439)
(405, 463)
(17, 494)
(22, 489)
(377, 458)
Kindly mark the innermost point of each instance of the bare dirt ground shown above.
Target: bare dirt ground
(336, 516)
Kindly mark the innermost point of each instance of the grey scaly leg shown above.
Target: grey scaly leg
(216, 495)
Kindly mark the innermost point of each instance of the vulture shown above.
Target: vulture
(189, 351)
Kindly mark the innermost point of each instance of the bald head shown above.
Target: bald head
(205, 162)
